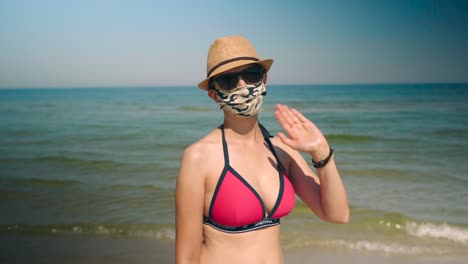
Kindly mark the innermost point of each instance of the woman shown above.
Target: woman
(235, 183)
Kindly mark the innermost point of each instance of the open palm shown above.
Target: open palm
(303, 135)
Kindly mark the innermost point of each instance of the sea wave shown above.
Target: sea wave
(398, 223)
(160, 232)
(431, 239)
(451, 132)
(48, 182)
(76, 161)
(387, 173)
(7, 194)
(411, 237)
(384, 247)
(350, 138)
(376, 230)
(67, 160)
(196, 109)
(438, 231)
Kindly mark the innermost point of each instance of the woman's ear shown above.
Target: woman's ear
(265, 77)
(212, 95)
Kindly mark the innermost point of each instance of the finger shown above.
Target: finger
(307, 123)
(287, 116)
(282, 121)
(286, 140)
(290, 116)
(280, 116)
(299, 115)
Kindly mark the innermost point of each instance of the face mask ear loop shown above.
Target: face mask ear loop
(264, 93)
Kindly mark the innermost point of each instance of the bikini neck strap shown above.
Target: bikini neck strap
(266, 136)
(225, 147)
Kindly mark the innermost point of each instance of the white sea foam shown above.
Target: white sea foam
(163, 234)
(442, 231)
(383, 248)
(166, 233)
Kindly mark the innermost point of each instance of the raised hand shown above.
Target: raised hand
(303, 134)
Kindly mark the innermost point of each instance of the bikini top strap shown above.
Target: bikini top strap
(265, 132)
(225, 147)
(280, 167)
(267, 137)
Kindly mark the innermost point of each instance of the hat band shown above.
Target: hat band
(228, 61)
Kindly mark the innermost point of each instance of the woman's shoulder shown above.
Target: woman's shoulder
(199, 157)
(205, 147)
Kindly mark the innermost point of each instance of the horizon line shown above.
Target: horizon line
(195, 86)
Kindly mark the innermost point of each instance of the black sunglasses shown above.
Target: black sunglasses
(251, 75)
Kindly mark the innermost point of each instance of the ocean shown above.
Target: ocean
(102, 163)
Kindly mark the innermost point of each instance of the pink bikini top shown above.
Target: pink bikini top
(236, 207)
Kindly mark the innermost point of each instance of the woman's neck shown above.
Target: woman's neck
(244, 129)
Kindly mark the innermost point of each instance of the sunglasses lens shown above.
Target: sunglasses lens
(227, 82)
(251, 75)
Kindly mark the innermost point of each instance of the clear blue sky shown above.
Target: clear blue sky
(149, 43)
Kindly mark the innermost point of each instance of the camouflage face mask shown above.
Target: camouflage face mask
(244, 101)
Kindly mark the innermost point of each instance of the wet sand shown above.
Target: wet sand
(83, 249)
(304, 256)
(74, 249)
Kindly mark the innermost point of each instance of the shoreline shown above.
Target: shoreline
(81, 249)
(298, 256)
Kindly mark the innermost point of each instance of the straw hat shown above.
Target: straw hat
(229, 52)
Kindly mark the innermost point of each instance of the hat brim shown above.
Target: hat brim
(228, 66)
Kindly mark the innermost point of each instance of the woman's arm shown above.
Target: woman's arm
(324, 194)
(190, 193)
